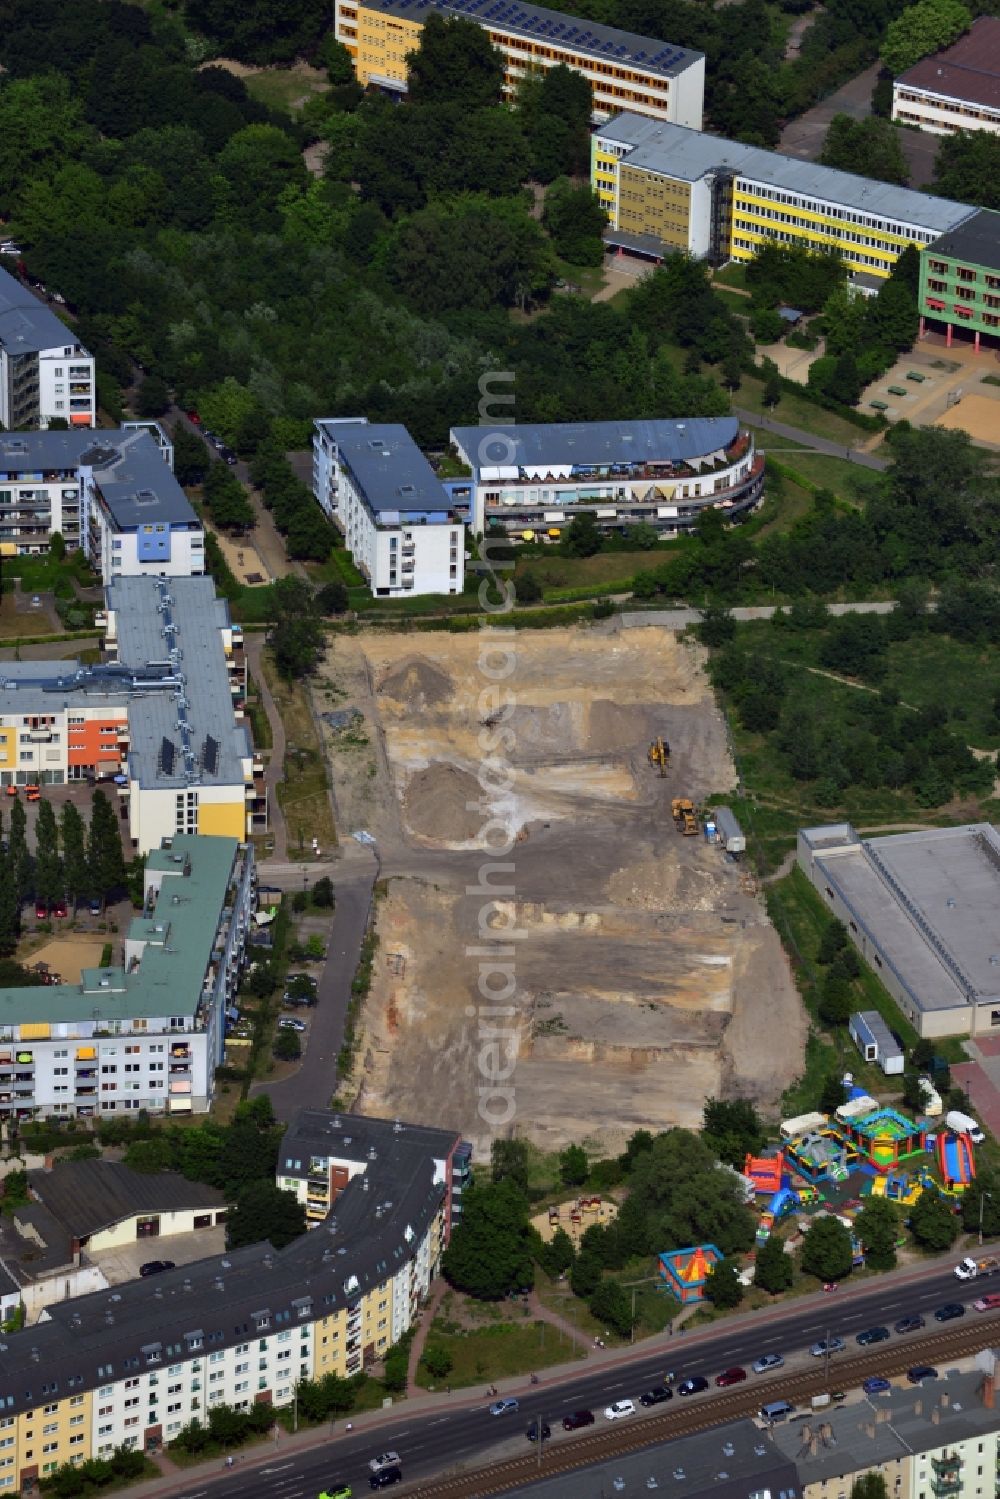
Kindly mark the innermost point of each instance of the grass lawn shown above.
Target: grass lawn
(734, 274)
(498, 1348)
(934, 669)
(796, 411)
(553, 570)
(286, 88)
(303, 793)
(734, 300)
(846, 479)
(589, 278)
(783, 506)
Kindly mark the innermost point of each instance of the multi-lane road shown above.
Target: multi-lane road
(460, 1431)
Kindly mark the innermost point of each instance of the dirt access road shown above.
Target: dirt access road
(647, 976)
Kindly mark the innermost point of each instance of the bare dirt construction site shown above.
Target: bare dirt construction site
(647, 976)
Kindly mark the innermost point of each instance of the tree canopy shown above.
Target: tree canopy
(923, 28)
(490, 1249)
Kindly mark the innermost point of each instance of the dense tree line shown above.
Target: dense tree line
(71, 860)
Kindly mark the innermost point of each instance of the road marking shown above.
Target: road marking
(200, 1495)
(266, 1472)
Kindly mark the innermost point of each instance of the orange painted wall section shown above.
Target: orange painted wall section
(88, 746)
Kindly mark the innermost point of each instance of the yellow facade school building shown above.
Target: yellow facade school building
(624, 70)
(666, 188)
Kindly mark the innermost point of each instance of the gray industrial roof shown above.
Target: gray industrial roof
(595, 444)
(677, 151)
(318, 1132)
(26, 325)
(137, 486)
(20, 451)
(33, 1243)
(188, 622)
(87, 1196)
(219, 1297)
(977, 241)
(388, 467)
(554, 28)
(729, 1462)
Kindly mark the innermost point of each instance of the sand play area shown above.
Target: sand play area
(643, 975)
(68, 955)
(244, 561)
(979, 415)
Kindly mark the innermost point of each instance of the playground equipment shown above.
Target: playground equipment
(819, 1156)
(883, 1138)
(902, 1188)
(685, 1271)
(955, 1160)
(765, 1171)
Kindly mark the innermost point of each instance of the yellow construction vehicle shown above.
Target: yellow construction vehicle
(659, 754)
(682, 811)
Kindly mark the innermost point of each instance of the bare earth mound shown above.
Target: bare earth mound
(437, 804)
(417, 683)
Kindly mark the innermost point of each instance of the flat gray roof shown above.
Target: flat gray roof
(20, 451)
(135, 483)
(26, 325)
(871, 1026)
(977, 241)
(551, 26)
(191, 616)
(595, 444)
(388, 468)
(677, 151)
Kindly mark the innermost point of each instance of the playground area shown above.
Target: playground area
(67, 957)
(575, 1216)
(977, 414)
(244, 561)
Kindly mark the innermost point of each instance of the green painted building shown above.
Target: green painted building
(960, 280)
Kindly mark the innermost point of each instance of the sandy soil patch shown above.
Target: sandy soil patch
(245, 562)
(979, 415)
(68, 955)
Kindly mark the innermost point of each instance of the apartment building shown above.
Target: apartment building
(960, 281)
(666, 188)
(45, 372)
(531, 479)
(150, 1033)
(396, 518)
(132, 1366)
(625, 71)
(957, 89)
(114, 495)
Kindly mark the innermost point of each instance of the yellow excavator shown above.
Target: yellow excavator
(659, 754)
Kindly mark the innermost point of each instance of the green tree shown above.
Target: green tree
(287, 1046)
(48, 865)
(490, 1249)
(191, 460)
(296, 636)
(826, 1250)
(105, 861)
(723, 1288)
(733, 1129)
(869, 1486)
(456, 64)
(332, 598)
(20, 859)
(227, 499)
(836, 999)
(337, 61)
(586, 1275)
(529, 590)
(967, 167)
(558, 1254)
(831, 1095)
(576, 221)
(573, 1166)
(611, 1304)
(717, 626)
(470, 253)
(57, 541)
(583, 538)
(773, 1267)
(152, 397)
(509, 1162)
(833, 941)
(869, 147)
(932, 1222)
(260, 31)
(877, 1227)
(437, 1361)
(982, 1192)
(262, 1211)
(322, 893)
(923, 28)
(255, 165)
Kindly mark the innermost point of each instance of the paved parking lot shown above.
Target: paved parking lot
(120, 1265)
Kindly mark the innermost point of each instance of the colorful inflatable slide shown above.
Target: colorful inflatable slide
(955, 1160)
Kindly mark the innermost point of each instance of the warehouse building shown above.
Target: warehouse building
(45, 372)
(922, 909)
(531, 479)
(666, 188)
(957, 89)
(397, 520)
(131, 1367)
(960, 282)
(150, 1034)
(625, 71)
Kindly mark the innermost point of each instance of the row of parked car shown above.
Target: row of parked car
(214, 440)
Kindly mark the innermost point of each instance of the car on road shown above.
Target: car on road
(94, 908)
(532, 1431)
(289, 1023)
(337, 1491)
(193, 418)
(728, 1377)
(871, 1335)
(505, 1406)
(949, 1311)
(384, 1460)
(619, 1409)
(228, 456)
(910, 1324)
(827, 1345)
(920, 1372)
(386, 1478)
(156, 1267)
(60, 908)
(658, 1395)
(41, 911)
(693, 1385)
(876, 1385)
(768, 1361)
(989, 1303)
(9, 248)
(576, 1420)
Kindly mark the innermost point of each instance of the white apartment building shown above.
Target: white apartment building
(957, 89)
(44, 371)
(395, 515)
(149, 1034)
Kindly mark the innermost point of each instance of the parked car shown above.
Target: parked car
(337, 1491)
(386, 1478)
(768, 1361)
(693, 1386)
(729, 1377)
(656, 1396)
(193, 417)
(920, 1372)
(228, 456)
(156, 1267)
(295, 1000)
(60, 908)
(619, 1410)
(876, 1385)
(949, 1311)
(988, 1303)
(872, 1335)
(41, 911)
(576, 1420)
(289, 1023)
(95, 908)
(384, 1460)
(532, 1431)
(912, 1323)
(827, 1345)
(36, 601)
(505, 1407)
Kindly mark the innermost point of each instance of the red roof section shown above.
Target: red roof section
(969, 69)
